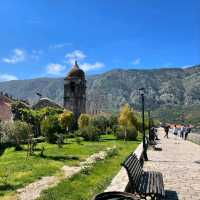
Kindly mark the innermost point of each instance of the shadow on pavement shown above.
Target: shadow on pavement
(171, 195)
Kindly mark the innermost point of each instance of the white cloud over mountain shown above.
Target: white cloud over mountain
(80, 56)
(75, 55)
(90, 66)
(18, 55)
(55, 69)
(7, 77)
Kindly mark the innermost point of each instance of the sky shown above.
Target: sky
(43, 38)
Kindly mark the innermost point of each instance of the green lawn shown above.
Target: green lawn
(84, 187)
(22, 171)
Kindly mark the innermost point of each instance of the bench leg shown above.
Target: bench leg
(159, 197)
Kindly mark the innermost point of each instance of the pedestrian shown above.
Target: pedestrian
(166, 128)
(175, 130)
(187, 131)
(182, 131)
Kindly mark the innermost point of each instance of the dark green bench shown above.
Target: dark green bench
(144, 183)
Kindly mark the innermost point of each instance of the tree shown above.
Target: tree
(20, 133)
(113, 122)
(127, 119)
(14, 133)
(89, 133)
(83, 121)
(100, 122)
(66, 119)
(16, 109)
(50, 127)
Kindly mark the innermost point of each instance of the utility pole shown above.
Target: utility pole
(149, 117)
(143, 128)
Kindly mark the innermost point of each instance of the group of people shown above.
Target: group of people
(153, 134)
(182, 131)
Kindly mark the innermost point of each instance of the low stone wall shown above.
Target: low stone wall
(194, 137)
(120, 181)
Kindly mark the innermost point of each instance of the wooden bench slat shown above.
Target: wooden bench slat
(152, 182)
(144, 183)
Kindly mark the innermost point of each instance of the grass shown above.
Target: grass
(21, 171)
(85, 186)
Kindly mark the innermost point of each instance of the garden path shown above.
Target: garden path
(179, 162)
(33, 190)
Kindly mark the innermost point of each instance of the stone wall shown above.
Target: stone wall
(194, 137)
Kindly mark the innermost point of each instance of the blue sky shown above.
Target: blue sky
(42, 38)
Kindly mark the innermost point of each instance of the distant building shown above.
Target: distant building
(75, 91)
(5, 108)
(46, 102)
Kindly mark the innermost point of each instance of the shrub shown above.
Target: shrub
(5, 175)
(66, 119)
(7, 132)
(113, 152)
(89, 133)
(15, 133)
(79, 140)
(109, 130)
(49, 127)
(100, 122)
(131, 133)
(60, 139)
(83, 120)
(128, 120)
(113, 123)
(139, 124)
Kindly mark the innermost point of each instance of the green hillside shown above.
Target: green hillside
(174, 88)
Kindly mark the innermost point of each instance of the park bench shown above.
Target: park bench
(156, 145)
(144, 183)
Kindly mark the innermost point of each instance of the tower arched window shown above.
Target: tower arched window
(72, 86)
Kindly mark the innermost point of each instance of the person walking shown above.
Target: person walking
(187, 131)
(182, 131)
(166, 128)
(175, 130)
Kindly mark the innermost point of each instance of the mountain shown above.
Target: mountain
(173, 87)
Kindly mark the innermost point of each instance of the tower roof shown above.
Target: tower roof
(76, 72)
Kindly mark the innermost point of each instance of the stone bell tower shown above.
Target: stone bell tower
(75, 91)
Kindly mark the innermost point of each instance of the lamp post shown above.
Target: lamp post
(149, 118)
(141, 90)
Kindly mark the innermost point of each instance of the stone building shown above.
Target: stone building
(5, 108)
(75, 91)
(46, 102)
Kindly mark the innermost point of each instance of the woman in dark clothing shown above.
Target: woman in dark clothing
(166, 130)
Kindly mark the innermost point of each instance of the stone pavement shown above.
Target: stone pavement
(179, 162)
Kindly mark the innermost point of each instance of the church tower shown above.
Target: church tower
(75, 91)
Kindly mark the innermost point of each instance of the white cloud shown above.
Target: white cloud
(75, 55)
(7, 77)
(35, 54)
(79, 56)
(187, 66)
(136, 61)
(89, 66)
(55, 69)
(18, 55)
(59, 45)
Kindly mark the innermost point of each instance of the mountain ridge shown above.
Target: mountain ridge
(111, 89)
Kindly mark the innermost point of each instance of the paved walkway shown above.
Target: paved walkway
(179, 162)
